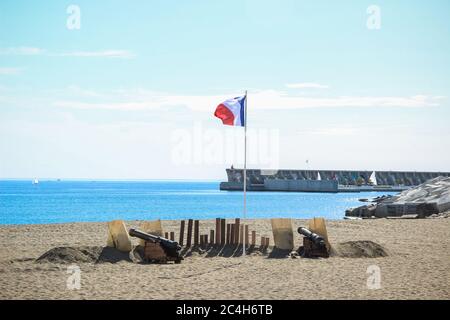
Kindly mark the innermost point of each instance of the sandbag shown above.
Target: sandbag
(118, 236)
(317, 225)
(282, 233)
(153, 227)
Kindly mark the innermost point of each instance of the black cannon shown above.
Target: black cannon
(314, 245)
(158, 248)
(314, 237)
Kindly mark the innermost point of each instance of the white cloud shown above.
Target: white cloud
(124, 54)
(259, 100)
(21, 51)
(306, 85)
(9, 71)
(109, 106)
(272, 99)
(82, 92)
(331, 131)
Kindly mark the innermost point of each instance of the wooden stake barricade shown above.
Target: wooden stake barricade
(196, 232)
(232, 236)
(217, 231)
(211, 237)
(189, 233)
(237, 223)
(223, 234)
(180, 242)
(241, 234)
(246, 235)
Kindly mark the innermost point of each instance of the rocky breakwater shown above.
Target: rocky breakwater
(428, 199)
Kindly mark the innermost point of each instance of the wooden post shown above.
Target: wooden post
(172, 236)
(263, 241)
(267, 242)
(223, 234)
(166, 235)
(237, 223)
(246, 235)
(211, 236)
(202, 240)
(196, 232)
(181, 233)
(241, 234)
(233, 233)
(228, 233)
(217, 231)
(189, 233)
(205, 239)
(253, 238)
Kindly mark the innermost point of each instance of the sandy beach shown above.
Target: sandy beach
(417, 266)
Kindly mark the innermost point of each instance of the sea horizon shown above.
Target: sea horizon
(107, 179)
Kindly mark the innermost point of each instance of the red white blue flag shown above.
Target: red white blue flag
(232, 111)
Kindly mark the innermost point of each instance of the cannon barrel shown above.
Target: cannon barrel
(169, 244)
(314, 237)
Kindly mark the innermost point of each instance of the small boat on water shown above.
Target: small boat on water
(35, 181)
(373, 178)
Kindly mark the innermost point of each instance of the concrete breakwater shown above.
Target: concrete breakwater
(429, 198)
(326, 180)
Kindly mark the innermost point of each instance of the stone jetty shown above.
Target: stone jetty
(427, 199)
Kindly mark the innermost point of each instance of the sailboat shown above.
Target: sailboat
(318, 176)
(373, 178)
(35, 181)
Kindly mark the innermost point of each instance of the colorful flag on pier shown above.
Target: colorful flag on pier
(232, 111)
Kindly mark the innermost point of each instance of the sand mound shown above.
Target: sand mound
(66, 255)
(360, 249)
(83, 255)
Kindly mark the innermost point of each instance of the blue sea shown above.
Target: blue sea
(22, 202)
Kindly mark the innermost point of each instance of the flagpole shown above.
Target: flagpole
(245, 172)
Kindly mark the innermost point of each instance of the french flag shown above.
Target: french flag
(232, 111)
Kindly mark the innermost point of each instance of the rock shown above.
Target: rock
(365, 211)
(352, 218)
(406, 216)
(431, 197)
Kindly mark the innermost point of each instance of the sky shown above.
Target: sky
(127, 89)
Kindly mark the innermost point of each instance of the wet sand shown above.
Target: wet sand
(417, 267)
